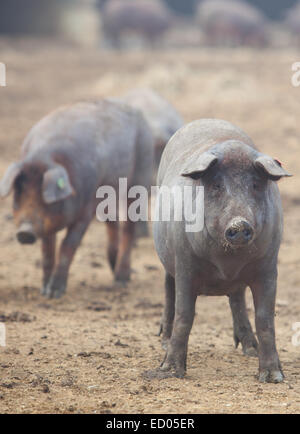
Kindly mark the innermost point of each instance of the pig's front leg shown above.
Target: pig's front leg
(264, 293)
(48, 258)
(176, 355)
(242, 331)
(57, 284)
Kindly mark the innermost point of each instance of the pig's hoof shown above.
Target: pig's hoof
(119, 284)
(122, 276)
(271, 376)
(249, 344)
(43, 290)
(165, 337)
(250, 351)
(164, 343)
(169, 372)
(54, 290)
(172, 369)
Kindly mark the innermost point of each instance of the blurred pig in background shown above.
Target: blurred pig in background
(65, 158)
(163, 118)
(148, 19)
(232, 23)
(292, 23)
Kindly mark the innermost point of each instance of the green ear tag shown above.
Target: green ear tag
(61, 183)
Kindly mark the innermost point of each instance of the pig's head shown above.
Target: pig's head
(237, 180)
(39, 190)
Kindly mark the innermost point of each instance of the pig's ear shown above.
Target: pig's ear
(270, 167)
(7, 182)
(197, 167)
(56, 185)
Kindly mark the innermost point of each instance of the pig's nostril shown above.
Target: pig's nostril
(231, 233)
(239, 232)
(248, 233)
(25, 234)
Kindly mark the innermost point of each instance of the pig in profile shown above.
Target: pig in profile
(163, 118)
(65, 158)
(147, 18)
(232, 22)
(237, 247)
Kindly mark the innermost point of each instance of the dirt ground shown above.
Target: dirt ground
(86, 352)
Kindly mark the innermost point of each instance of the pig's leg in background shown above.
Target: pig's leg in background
(122, 268)
(264, 294)
(113, 243)
(242, 330)
(58, 282)
(185, 300)
(48, 258)
(169, 311)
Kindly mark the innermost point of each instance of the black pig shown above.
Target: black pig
(238, 246)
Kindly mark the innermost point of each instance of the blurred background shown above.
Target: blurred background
(189, 22)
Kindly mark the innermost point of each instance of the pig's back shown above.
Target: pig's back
(199, 134)
(84, 125)
(162, 117)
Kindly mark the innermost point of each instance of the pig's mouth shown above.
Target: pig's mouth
(26, 234)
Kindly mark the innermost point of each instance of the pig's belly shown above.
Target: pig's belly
(219, 289)
(204, 286)
(223, 277)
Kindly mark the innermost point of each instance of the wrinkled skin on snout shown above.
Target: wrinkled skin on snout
(54, 184)
(238, 246)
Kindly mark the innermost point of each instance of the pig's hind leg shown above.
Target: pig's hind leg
(242, 330)
(166, 325)
(48, 258)
(57, 284)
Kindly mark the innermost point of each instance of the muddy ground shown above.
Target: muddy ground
(86, 352)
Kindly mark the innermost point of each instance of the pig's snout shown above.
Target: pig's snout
(26, 234)
(239, 232)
